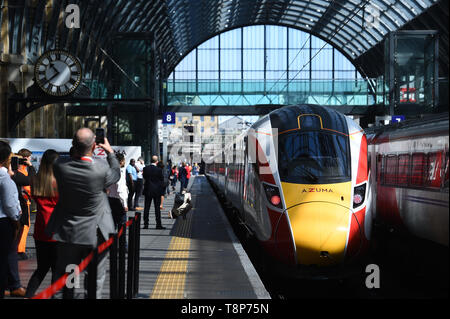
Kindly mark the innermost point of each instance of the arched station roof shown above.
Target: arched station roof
(356, 27)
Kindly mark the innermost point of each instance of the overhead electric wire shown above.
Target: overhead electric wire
(332, 36)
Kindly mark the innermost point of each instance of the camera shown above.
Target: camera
(16, 161)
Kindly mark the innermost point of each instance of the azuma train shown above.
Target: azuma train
(299, 181)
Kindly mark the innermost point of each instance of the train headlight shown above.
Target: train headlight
(275, 200)
(273, 195)
(358, 195)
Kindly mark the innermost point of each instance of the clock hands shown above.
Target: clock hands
(54, 75)
(52, 65)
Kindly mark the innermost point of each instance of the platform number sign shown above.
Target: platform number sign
(169, 118)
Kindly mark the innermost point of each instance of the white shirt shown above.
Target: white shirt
(139, 169)
(120, 190)
(9, 197)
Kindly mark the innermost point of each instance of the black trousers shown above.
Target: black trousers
(6, 245)
(118, 212)
(46, 260)
(131, 191)
(69, 254)
(139, 184)
(157, 202)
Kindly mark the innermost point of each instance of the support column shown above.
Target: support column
(4, 42)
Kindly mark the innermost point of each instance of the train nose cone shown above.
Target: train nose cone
(320, 232)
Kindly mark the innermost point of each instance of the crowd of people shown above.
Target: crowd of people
(78, 201)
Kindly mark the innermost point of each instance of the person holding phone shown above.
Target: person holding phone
(82, 217)
(23, 175)
(9, 214)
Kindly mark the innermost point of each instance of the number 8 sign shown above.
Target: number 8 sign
(168, 118)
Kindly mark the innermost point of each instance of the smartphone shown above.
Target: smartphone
(14, 163)
(100, 136)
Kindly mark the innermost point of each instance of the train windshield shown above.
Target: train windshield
(313, 157)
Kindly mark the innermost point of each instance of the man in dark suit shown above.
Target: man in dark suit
(153, 190)
(82, 217)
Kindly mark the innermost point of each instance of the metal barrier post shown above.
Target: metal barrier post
(137, 239)
(122, 247)
(113, 280)
(131, 250)
(92, 276)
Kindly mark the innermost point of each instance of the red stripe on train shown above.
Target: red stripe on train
(362, 162)
(357, 241)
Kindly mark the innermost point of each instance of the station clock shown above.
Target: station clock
(58, 72)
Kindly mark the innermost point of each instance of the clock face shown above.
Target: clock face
(58, 72)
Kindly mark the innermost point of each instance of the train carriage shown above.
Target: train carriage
(411, 180)
(299, 179)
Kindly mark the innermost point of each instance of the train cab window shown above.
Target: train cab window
(312, 157)
(418, 168)
(390, 176)
(403, 170)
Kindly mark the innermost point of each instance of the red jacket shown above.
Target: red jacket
(45, 206)
(188, 170)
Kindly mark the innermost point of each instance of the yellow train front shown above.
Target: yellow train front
(299, 179)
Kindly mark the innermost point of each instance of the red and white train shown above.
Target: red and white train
(410, 180)
(299, 179)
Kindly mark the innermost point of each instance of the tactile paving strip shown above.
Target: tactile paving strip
(172, 275)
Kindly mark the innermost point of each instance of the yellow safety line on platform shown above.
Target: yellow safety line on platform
(172, 275)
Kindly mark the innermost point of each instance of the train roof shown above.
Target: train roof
(308, 117)
(431, 121)
(433, 124)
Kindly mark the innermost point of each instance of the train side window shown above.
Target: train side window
(403, 169)
(390, 176)
(379, 168)
(418, 169)
(433, 171)
(446, 169)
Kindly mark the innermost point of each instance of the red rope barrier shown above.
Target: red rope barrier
(61, 282)
(105, 245)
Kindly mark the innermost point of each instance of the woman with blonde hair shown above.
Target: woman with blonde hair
(45, 193)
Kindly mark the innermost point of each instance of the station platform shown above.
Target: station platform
(194, 258)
